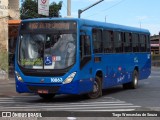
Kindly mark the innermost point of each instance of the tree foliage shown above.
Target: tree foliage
(29, 9)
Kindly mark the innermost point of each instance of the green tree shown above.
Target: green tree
(29, 9)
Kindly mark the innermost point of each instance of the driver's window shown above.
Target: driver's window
(85, 46)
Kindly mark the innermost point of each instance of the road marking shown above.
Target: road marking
(83, 107)
(106, 110)
(71, 118)
(100, 104)
(155, 76)
(155, 72)
(67, 107)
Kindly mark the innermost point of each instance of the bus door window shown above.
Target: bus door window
(85, 50)
(85, 46)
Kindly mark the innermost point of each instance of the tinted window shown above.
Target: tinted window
(135, 42)
(148, 43)
(97, 40)
(108, 41)
(118, 40)
(142, 43)
(127, 42)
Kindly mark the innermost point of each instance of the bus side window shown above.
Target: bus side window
(127, 42)
(85, 48)
(135, 42)
(107, 46)
(148, 43)
(97, 40)
(142, 43)
(118, 41)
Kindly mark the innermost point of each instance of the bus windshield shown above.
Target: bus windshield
(47, 51)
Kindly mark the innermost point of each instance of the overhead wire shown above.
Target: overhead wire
(100, 12)
(65, 6)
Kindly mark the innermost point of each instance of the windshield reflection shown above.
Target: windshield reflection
(47, 51)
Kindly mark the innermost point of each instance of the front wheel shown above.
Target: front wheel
(47, 96)
(97, 89)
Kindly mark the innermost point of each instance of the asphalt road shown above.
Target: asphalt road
(145, 98)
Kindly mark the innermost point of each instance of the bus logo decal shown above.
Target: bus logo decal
(136, 60)
(149, 56)
(42, 81)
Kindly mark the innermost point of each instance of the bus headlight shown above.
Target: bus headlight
(69, 78)
(18, 76)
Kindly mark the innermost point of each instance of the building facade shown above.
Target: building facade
(9, 10)
(155, 44)
(14, 9)
(4, 24)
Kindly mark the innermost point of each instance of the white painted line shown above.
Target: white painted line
(6, 98)
(29, 96)
(104, 110)
(85, 104)
(7, 102)
(154, 76)
(67, 108)
(98, 102)
(71, 118)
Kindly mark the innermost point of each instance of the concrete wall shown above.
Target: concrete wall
(14, 9)
(4, 24)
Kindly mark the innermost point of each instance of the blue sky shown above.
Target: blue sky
(136, 13)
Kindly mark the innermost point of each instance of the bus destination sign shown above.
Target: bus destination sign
(49, 25)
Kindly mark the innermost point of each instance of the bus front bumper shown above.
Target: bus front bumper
(75, 87)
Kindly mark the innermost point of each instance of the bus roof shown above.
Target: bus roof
(97, 24)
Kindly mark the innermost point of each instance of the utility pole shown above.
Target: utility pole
(106, 18)
(68, 7)
(80, 11)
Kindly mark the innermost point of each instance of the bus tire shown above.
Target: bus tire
(47, 96)
(97, 89)
(134, 83)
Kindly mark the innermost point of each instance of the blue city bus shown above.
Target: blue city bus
(78, 56)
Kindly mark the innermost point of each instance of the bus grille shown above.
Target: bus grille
(50, 89)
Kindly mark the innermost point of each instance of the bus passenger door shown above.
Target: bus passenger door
(85, 63)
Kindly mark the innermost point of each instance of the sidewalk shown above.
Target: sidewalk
(7, 87)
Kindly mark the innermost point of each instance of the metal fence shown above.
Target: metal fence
(156, 60)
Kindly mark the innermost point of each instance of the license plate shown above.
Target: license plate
(43, 91)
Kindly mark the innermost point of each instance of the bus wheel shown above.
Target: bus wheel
(97, 89)
(47, 96)
(134, 83)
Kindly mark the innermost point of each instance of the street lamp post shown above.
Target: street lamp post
(106, 18)
(68, 7)
(80, 11)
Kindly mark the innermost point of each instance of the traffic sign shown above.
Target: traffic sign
(43, 7)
